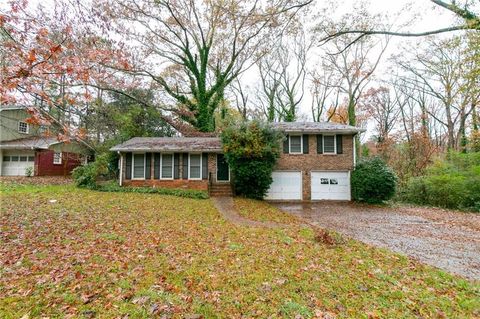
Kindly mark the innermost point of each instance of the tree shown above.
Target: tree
(464, 10)
(443, 72)
(191, 51)
(382, 108)
(282, 74)
(252, 150)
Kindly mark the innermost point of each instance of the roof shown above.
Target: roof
(172, 144)
(4, 107)
(35, 142)
(316, 127)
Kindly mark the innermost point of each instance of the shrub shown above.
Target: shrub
(187, 193)
(373, 181)
(252, 150)
(452, 182)
(29, 171)
(87, 175)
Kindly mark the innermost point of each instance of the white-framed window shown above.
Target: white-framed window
(166, 166)
(195, 166)
(57, 158)
(138, 167)
(329, 144)
(23, 127)
(295, 144)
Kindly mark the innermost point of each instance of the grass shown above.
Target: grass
(101, 254)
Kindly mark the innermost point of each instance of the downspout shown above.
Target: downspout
(354, 151)
(121, 168)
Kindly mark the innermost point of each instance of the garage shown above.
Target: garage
(15, 164)
(286, 185)
(330, 185)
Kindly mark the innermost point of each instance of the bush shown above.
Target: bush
(252, 150)
(453, 182)
(29, 171)
(187, 193)
(373, 181)
(87, 175)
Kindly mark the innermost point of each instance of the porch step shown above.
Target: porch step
(217, 190)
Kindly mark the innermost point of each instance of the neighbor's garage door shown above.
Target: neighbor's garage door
(14, 164)
(286, 186)
(330, 186)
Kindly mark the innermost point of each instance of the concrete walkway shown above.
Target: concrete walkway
(227, 209)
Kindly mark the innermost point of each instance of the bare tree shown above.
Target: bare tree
(324, 92)
(462, 9)
(282, 75)
(383, 109)
(443, 74)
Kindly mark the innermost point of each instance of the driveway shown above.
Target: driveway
(446, 239)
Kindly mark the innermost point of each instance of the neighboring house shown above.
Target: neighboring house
(24, 145)
(315, 164)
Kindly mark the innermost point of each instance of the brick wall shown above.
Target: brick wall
(317, 162)
(176, 183)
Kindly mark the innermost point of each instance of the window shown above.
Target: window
(23, 127)
(14, 158)
(167, 166)
(31, 158)
(329, 144)
(138, 166)
(6, 158)
(57, 158)
(23, 158)
(195, 169)
(296, 144)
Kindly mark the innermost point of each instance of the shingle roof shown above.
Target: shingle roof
(172, 144)
(36, 142)
(316, 127)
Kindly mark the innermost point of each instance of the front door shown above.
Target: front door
(223, 173)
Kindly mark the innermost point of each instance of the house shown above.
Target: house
(25, 146)
(315, 164)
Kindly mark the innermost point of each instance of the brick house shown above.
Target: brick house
(315, 164)
(25, 146)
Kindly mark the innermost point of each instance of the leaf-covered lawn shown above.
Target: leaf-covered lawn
(93, 254)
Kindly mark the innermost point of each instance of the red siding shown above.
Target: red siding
(44, 163)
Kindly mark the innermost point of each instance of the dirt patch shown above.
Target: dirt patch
(449, 240)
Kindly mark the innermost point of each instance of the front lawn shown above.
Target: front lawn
(69, 252)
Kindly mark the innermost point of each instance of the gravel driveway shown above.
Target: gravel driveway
(446, 239)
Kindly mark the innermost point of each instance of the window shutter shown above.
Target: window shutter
(204, 165)
(319, 144)
(176, 166)
(148, 165)
(185, 165)
(128, 166)
(305, 144)
(339, 144)
(156, 166)
(285, 146)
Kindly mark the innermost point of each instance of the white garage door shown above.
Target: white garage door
(330, 186)
(15, 164)
(286, 186)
